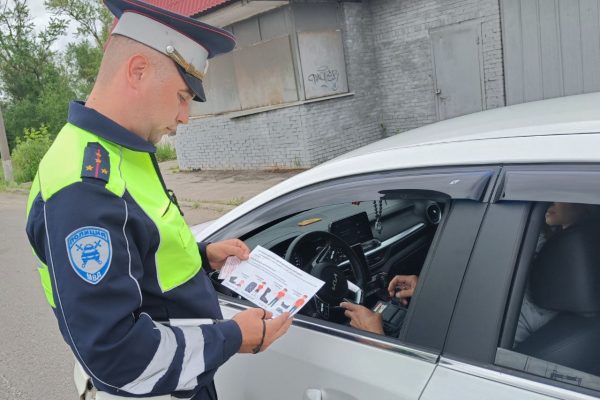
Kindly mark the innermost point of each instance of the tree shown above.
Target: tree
(32, 83)
(91, 16)
(26, 57)
(93, 21)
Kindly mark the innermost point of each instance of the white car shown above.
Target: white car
(462, 204)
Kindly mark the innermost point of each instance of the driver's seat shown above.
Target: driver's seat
(566, 278)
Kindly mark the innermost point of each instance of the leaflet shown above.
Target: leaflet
(270, 282)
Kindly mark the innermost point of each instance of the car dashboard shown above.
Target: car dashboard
(392, 235)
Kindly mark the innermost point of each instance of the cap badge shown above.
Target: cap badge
(188, 67)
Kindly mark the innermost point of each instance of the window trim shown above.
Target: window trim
(346, 332)
(429, 317)
(355, 188)
(252, 111)
(345, 189)
(537, 199)
(526, 253)
(518, 379)
(539, 182)
(490, 271)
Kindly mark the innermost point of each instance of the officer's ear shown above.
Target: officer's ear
(138, 67)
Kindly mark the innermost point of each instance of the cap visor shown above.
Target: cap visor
(194, 84)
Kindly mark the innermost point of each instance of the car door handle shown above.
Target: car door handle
(326, 394)
(313, 394)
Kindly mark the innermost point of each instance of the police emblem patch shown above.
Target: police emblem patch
(90, 252)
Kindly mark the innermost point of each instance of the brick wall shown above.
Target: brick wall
(299, 136)
(404, 55)
(390, 71)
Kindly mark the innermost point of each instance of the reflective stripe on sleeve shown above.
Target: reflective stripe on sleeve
(159, 365)
(193, 358)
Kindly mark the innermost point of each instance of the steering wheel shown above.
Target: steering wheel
(335, 288)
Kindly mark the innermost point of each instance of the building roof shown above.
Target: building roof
(190, 8)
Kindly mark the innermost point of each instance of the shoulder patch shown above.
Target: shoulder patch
(90, 252)
(96, 163)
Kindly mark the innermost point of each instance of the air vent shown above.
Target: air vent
(434, 214)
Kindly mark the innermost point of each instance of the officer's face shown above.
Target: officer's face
(170, 106)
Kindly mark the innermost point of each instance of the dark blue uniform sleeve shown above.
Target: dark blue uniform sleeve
(95, 251)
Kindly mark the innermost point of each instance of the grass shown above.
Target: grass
(165, 152)
(2, 181)
(215, 205)
(276, 168)
(8, 187)
(236, 201)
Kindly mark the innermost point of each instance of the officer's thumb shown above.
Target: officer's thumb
(260, 313)
(277, 327)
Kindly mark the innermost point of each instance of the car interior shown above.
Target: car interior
(368, 241)
(563, 278)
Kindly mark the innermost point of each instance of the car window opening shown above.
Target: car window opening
(371, 242)
(558, 325)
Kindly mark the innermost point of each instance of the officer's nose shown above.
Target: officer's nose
(184, 114)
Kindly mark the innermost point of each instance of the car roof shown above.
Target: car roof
(561, 115)
(560, 130)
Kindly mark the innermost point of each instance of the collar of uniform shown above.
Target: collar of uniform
(92, 121)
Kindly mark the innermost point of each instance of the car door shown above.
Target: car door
(320, 359)
(482, 357)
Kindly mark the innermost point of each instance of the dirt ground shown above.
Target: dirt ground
(202, 195)
(206, 195)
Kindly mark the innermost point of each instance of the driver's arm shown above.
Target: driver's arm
(363, 318)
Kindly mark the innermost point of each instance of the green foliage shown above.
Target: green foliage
(93, 21)
(2, 181)
(165, 152)
(83, 60)
(33, 84)
(91, 16)
(236, 201)
(37, 82)
(29, 152)
(26, 56)
(48, 108)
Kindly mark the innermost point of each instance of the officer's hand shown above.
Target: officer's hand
(363, 318)
(250, 323)
(218, 252)
(403, 287)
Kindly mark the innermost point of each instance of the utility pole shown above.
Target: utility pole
(5, 152)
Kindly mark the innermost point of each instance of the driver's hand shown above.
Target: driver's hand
(403, 287)
(363, 318)
(218, 252)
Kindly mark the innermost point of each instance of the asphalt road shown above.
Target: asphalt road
(35, 363)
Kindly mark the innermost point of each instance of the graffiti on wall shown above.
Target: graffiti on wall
(325, 77)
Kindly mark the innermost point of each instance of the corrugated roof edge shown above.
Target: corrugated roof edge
(213, 8)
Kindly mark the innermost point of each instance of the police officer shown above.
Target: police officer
(119, 266)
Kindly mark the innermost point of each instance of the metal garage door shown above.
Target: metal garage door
(551, 48)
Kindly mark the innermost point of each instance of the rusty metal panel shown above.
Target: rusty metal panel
(274, 24)
(315, 17)
(220, 87)
(247, 32)
(323, 64)
(265, 74)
